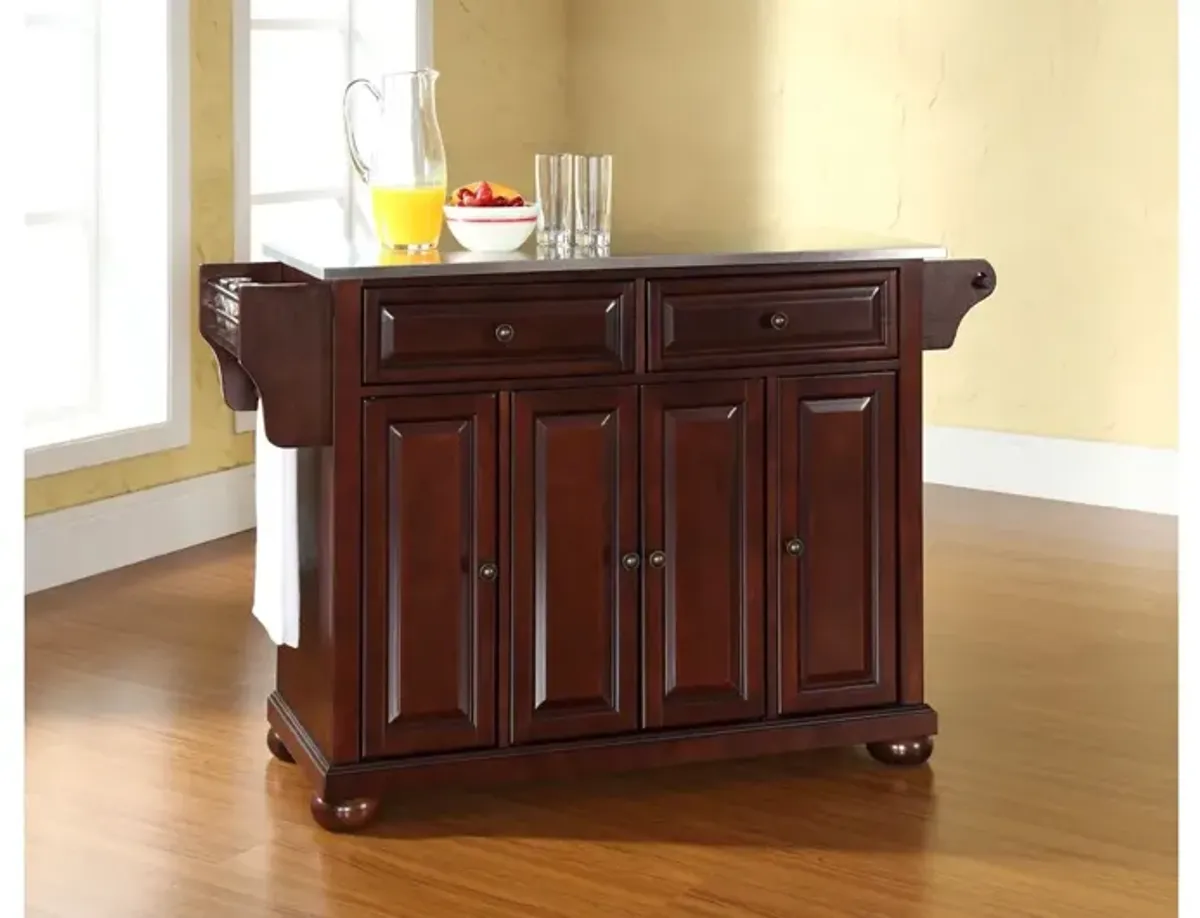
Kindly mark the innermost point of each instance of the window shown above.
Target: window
(293, 59)
(105, 231)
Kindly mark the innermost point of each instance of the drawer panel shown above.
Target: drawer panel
(509, 330)
(748, 321)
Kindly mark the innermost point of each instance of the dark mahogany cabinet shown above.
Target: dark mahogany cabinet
(577, 514)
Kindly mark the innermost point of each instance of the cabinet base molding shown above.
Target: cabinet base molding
(906, 728)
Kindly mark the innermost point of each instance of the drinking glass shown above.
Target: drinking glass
(552, 175)
(592, 181)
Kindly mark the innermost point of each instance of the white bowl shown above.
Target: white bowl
(491, 229)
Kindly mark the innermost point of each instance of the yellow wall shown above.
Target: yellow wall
(214, 446)
(502, 92)
(1040, 134)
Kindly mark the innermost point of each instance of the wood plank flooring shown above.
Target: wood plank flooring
(1051, 655)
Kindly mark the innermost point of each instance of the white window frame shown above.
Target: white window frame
(175, 431)
(422, 53)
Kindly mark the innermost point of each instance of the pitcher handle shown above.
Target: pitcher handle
(360, 167)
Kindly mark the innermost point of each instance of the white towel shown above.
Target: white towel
(277, 548)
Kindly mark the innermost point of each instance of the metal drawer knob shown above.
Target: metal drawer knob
(779, 321)
(505, 333)
(631, 562)
(794, 547)
(488, 571)
(657, 559)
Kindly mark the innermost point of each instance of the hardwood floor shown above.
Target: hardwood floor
(1052, 792)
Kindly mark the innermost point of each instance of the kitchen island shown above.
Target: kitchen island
(574, 513)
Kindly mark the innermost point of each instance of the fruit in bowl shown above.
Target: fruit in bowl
(489, 217)
(486, 194)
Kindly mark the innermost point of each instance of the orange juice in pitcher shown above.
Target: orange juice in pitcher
(406, 171)
(408, 218)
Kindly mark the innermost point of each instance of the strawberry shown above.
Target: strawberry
(483, 194)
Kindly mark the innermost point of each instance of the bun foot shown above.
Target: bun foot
(349, 816)
(275, 744)
(902, 752)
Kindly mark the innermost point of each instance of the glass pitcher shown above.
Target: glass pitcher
(406, 169)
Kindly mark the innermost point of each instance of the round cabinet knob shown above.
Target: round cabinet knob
(505, 333)
(488, 571)
(794, 547)
(779, 321)
(657, 559)
(631, 562)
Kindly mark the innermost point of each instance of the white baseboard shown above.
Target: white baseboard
(1076, 471)
(78, 542)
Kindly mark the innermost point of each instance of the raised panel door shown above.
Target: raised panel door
(430, 574)
(575, 563)
(837, 538)
(702, 467)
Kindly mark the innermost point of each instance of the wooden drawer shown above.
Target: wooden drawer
(748, 321)
(509, 330)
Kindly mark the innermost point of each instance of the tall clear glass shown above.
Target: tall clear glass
(552, 177)
(592, 181)
(406, 168)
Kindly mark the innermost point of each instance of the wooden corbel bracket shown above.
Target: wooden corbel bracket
(273, 341)
(952, 288)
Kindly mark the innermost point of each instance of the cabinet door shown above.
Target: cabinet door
(702, 466)
(574, 599)
(837, 539)
(430, 574)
